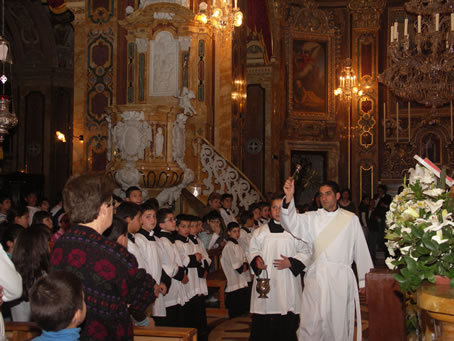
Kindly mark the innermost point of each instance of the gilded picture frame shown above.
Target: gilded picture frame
(311, 77)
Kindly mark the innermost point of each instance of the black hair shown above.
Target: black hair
(183, 217)
(10, 234)
(118, 228)
(263, 204)
(212, 215)
(232, 225)
(127, 209)
(117, 198)
(147, 207)
(55, 299)
(132, 189)
(349, 193)
(225, 196)
(332, 184)
(39, 216)
(19, 211)
(244, 216)
(383, 187)
(3, 197)
(152, 202)
(162, 214)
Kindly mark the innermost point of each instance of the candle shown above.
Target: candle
(452, 22)
(406, 27)
(396, 32)
(419, 24)
(384, 121)
(450, 106)
(214, 3)
(437, 21)
(392, 33)
(397, 120)
(236, 4)
(409, 122)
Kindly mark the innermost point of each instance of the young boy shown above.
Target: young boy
(151, 252)
(134, 194)
(57, 305)
(174, 268)
(192, 260)
(247, 225)
(118, 231)
(211, 236)
(226, 209)
(5, 205)
(130, 213)
(273, 249)
(264, 212)
(255, 209)
(233, 262)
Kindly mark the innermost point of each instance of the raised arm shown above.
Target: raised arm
(294, 223)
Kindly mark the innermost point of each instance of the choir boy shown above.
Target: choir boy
(235, 267)
(226, 209)
(174, 268)
(134, 194)
(276, 254)
(264, 213)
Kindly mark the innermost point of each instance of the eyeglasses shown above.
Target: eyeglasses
(170, 219)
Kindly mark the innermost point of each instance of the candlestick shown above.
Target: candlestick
(419, 24)
(397, 120)
(437, 21)
(406, 27)
(409, 121)
(384, 121)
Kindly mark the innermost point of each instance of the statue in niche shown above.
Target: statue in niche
(179, 138)
(431, 147)
(132, 135)
(185, 101)
(159, 142)
(164, 70)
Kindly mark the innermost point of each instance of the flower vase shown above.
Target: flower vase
(442, 280)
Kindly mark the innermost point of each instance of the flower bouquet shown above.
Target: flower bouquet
(420, 229)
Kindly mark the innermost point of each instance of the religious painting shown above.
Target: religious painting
(311, 75)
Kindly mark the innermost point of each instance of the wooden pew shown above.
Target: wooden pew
(386, 306)
(25, 331)
(21, 331)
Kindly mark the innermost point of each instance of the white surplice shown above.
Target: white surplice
(285, 288)
(330, 294)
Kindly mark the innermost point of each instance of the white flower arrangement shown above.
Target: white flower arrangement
(420, 231)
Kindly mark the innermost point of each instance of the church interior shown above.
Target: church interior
(183, 98)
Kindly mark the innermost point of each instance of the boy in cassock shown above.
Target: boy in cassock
(235, 267)
(283, 257)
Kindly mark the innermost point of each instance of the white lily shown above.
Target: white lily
(405, 250)
(410, 211)
(389, 264)
(434, 192)
(434, 206)
(439, 237)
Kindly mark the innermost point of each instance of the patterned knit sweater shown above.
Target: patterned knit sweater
(111, 282)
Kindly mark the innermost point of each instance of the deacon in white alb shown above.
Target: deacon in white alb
(330, 294)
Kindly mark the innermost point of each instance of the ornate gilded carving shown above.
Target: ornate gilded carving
(311, 130)
(366, 13)
(309, 18)
(398, 157)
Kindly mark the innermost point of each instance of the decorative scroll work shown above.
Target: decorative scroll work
(220, 172)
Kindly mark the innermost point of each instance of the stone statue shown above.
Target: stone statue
(185, 101)
(178, 141)
(159, 142)
(164, 65)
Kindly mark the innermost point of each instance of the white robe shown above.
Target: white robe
(187, 251)
(330, 294)
(233, 258)
(285, 288)
(202, 286)
(151, 252)
(227, 216)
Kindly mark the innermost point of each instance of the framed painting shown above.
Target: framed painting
(311, 75)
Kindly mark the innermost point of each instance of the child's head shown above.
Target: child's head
(276, 204)
(233, 230)
(9, 237)
(193, 224)
(19, 216)
(166, 219)
(213, 220)
(264, 209)
(226, 200)
(118, 231)
(247, 219)
(57, 301)
(153, 202)
(117, 201)
(214, 201)
(43, 217)
(148, 217)
(31, 198)
(134, 194)
(44, 204)
(183, 222)
(255, 209)
(130, 212)
(5, 203)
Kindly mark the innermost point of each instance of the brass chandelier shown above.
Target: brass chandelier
(422, 69)
(222, 15)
